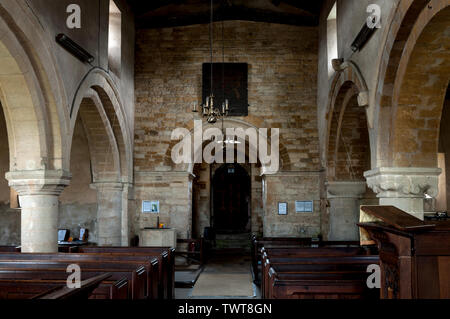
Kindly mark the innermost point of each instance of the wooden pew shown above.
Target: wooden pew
(298, 251)
(318, 285)
(167, 272)
(137, 277)
(83, 292)
(9, 249)
(32, 288)
(315, 265)
(152, 265)
(138, 272)
(258, 243)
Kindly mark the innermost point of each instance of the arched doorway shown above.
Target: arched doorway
(231, 199)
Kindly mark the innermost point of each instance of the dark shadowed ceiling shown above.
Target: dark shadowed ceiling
(169, 13)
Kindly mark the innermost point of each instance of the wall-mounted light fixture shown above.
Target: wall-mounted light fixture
(74, 48)
(363, 37)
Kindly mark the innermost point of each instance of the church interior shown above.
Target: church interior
(247, 149)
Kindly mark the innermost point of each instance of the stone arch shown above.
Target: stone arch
(100, 85)
(408, 21)
(420, 87)
(347, 149)
(348, 99)
(98, 102)
(35, 119)
(103, 148)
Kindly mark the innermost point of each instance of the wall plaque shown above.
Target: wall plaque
(150, 207)
(304, 206)
(282, 208)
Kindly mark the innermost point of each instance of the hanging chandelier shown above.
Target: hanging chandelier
(209, 108)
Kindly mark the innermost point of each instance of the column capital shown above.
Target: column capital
(108, 186)
(345, 189)
(403, 182)
(39, 182)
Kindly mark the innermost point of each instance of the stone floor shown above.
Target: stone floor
(226, 275)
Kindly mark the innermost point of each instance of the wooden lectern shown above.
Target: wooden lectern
(414, 255)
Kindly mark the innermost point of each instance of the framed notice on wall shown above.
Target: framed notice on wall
(150, 207)
(304, 206)
(282, 208)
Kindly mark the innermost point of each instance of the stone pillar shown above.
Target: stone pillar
(344, 209)
(38, 197)
(128, 206)
(109, 213)
(404, 187)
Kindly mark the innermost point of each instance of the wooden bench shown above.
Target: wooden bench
(295, 250)
(258, 243)
(142, 274)
(42, 282)
(9, 249)
(83, 292)
(318, 285)
(316, 265)
(137, 277)
(166, 256)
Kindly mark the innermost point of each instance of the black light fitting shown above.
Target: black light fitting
(74, 48)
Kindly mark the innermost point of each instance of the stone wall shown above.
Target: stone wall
(289, 187)
(174, 193)
(282, 94)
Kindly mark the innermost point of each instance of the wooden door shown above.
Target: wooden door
(231, 197)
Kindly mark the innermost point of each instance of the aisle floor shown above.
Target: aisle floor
(225, 276)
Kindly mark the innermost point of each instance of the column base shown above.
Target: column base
(344, 209)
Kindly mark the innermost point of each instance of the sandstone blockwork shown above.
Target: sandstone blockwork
(282, 85)
(282, 79)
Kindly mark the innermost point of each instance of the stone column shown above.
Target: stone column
(109, 213)
(128, 206)
(344, 209)
(38, 197)
(404, 187)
